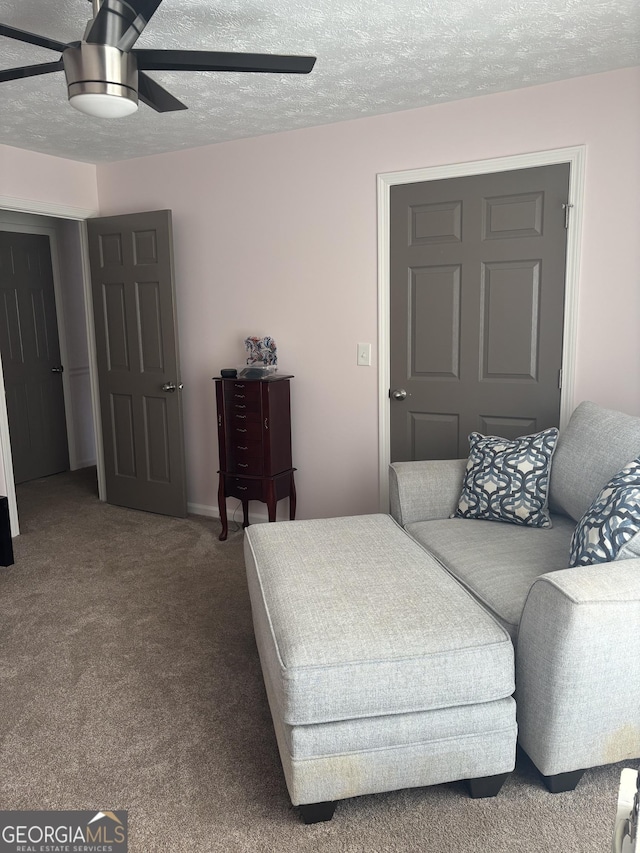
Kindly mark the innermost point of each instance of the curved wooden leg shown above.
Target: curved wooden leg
(245, 514)
(271, 500)
(292, 499)
(222, 508)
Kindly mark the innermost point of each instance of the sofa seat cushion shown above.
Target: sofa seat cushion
(354, 619)
(497, 562)
(586, 458)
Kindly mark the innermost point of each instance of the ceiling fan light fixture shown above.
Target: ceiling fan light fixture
(104, 105)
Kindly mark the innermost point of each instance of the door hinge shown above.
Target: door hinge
(566, 207)
(560, 378)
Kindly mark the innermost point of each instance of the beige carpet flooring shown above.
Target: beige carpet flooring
(129, 679)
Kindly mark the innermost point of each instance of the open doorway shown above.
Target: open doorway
(64, 238)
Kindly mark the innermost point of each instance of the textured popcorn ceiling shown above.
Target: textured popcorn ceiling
(374, 56)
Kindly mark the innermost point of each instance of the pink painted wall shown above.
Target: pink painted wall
(30, 176)
(277, 235)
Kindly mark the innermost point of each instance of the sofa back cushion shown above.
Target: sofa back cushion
(595, 446)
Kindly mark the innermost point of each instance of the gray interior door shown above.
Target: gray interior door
(31, 357)
(477, 308)
(138, 365)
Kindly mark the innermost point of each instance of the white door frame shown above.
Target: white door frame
(61, 211)
(575, 156)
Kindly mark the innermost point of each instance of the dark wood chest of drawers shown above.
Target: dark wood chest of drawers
(254, 439)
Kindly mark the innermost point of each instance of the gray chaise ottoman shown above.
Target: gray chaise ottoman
(381, 671)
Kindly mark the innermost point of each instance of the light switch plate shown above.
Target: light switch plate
(364, 355)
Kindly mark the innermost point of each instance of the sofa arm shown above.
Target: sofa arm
(578, 668)
(425, 489)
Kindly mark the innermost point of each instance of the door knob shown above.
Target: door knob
(398, 394)
(170, 387)
(57, 369)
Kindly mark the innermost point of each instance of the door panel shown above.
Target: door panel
(477, 308)
(156, 424)
(137, 353)
(507, 427)
(435, 322)
(434, 436)
(124, 455)
(31, 357)
(509, 322)
(149, 316)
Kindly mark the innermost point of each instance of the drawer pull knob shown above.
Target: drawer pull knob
(240, 406)
(238, 385)
(243, 464)
(242, 448)
(242, 488)
(240, 396)
(241, 416)
(240, 430)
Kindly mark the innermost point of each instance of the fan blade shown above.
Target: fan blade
(31, 38)
(153, 95)
(119, 23)
(207, 60)
(30, 71)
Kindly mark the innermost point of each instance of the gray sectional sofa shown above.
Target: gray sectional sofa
(392, 648)
(576, 631)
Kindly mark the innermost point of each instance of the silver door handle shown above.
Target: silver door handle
(57, 369)
(398, 394)
(170, 387)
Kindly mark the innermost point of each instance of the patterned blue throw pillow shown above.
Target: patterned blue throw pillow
(508, 480)
(610, 528)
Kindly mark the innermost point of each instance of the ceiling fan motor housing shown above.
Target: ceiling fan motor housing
(99, 69)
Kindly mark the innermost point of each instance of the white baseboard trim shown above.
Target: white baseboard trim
(82, 463)
(256, 516)
(203, 509)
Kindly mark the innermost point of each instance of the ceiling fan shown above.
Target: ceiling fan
(106, 76)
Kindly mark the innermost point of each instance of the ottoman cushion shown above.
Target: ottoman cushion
(354, 619)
